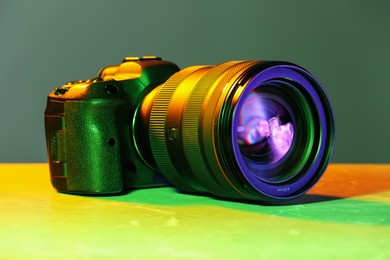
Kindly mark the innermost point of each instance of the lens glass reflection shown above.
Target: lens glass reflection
(265, 127)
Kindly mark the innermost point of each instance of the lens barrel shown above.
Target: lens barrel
(257, 130)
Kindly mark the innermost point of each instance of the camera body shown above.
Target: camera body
(90, 128)
(253, 130)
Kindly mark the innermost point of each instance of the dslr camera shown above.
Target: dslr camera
(246, 130)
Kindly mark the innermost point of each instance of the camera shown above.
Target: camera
(246, 130)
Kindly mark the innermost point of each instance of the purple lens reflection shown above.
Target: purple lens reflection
(262, 134)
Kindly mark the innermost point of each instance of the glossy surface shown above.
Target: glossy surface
(345, 216)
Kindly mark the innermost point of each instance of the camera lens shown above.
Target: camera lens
(256, 130)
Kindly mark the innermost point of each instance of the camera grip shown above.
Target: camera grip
(85, 155)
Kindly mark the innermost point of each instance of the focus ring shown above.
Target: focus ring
(157, 125)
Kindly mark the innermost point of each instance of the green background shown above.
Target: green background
(44, 44)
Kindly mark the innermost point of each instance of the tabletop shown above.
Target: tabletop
(347, 214)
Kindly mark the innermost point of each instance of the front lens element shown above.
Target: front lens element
(240, 130)
(284, 111)
(266, 130)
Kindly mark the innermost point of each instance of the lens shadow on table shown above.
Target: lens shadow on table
(346, 194)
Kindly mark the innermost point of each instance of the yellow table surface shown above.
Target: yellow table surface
(345, 216)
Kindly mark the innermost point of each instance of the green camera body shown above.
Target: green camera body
(90, 129)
